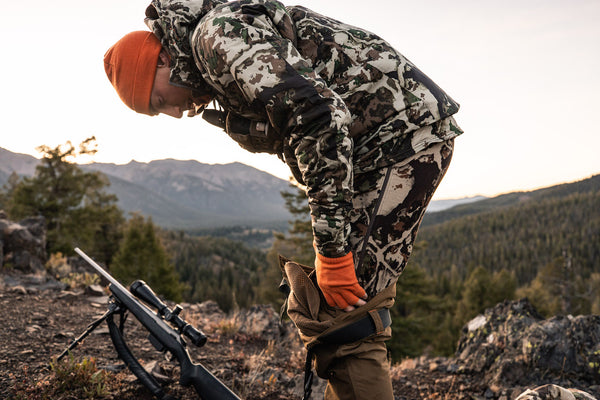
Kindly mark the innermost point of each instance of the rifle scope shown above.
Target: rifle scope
(141, 290)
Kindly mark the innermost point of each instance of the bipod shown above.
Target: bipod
(113, 308)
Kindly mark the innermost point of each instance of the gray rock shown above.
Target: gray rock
(259, 320)
(94, 290)
(512, 345)
(23, 244)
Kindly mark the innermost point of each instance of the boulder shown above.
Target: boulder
(260, 320)
(554, 392)
(23, 244)
(512, 345)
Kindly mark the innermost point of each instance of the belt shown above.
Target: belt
(374, 322)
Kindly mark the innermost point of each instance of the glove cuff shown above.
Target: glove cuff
(337, 262)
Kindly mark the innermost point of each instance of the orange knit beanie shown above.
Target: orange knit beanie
(130, 65)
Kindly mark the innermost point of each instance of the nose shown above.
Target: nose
(175, 112)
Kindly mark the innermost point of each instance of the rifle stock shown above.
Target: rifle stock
(163, 337)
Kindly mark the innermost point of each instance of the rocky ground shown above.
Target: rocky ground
(258, 359)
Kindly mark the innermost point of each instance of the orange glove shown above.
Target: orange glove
(337, 280)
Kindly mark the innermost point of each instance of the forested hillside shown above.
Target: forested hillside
(523, 238)
(219, 269)
(544, 245)
(590, 185)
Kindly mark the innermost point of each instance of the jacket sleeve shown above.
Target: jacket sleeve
(247, 55)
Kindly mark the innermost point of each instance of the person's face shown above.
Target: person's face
(168, 99)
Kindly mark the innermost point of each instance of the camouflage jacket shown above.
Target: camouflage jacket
(341, 99)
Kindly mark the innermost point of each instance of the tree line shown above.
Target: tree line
(546, 250)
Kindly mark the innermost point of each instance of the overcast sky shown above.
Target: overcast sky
(524, 71)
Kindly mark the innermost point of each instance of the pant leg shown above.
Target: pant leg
(360, 370)
(411, 186)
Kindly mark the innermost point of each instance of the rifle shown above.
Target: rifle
(162, 336)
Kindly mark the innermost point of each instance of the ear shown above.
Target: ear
(164, 60)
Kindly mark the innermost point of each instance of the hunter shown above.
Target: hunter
(366, 132)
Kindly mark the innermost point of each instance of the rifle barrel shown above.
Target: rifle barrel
(99, 269)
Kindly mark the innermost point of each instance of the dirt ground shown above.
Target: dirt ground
(38, 324)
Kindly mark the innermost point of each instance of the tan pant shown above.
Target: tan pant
(358, 371)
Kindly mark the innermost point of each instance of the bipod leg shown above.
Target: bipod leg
(112, 308)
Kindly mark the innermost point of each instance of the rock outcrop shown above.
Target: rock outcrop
(23, 244)
(511, 345)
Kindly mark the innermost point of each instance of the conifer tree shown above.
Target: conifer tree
(8, 189)
(415, 315)
(550, 288)
(483, 289)
(77, 210)
(142, 256)
(300, 235)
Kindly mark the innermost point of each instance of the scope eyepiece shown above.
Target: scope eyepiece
(196, 336)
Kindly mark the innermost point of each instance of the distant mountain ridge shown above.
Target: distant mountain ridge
(183, 194)
(22, 164)
(441, 205)
(190, 194)
(589, 185)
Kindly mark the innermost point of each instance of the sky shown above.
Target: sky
(526, 73)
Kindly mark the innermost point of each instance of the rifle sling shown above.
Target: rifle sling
(131, 361)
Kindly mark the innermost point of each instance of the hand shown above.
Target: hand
(337, 279)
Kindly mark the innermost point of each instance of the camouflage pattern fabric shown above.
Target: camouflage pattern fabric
(172, 22)
(342, 100)
(554, 392)
(394, 223)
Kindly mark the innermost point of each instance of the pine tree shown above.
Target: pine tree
(482, 290)
(299, 239)
(142, 256)
(8, 189)
(416, 314)
(77, 210)
(550, 289)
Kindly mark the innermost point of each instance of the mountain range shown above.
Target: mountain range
(189, 194)
(183, 194)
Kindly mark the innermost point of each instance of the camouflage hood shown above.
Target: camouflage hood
(173, 21)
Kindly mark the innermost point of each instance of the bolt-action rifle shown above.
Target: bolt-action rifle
(162, 335)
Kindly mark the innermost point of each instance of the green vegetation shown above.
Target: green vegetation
(543, 245)
(544, 248)
(141, 255)
(523, 237)
(590, 185)
(68, 379)
(217, 269)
